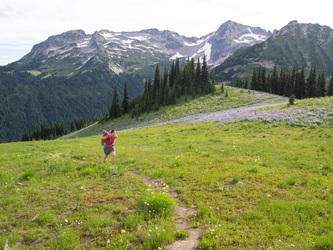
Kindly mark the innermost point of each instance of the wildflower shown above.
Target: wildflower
(149, 230)
(156, 228)
(66, 220)
(122, 231)
(108, 241)
(149, 235)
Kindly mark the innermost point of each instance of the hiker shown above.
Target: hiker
(108, 140)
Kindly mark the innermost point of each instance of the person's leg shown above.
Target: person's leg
(113, 156)
(106, 153)
(105, 157)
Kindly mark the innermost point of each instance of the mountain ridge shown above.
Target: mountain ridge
(295, 44)
(126, 52)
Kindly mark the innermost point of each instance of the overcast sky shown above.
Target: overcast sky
(24, 23)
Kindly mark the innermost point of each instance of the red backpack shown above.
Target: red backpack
(108, 142)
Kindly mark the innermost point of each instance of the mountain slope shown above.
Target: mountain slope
(125, 52)
(295, 44)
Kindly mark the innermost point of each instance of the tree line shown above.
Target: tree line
(55, 130)
(191, 80)
(282, 83)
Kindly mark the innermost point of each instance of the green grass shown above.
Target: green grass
(254, 186)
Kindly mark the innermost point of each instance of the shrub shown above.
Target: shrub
(182, 234)
(156, 205)
(235, 179)
(156, 234)
(27, 176)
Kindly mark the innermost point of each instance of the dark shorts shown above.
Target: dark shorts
(107, 151)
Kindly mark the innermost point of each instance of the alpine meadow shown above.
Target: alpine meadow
(235, 169)
(223, 141)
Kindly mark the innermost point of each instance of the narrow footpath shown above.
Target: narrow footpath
(181, 216)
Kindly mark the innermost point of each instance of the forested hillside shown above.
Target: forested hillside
(27, 101)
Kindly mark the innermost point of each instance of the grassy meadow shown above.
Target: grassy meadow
(253, 185)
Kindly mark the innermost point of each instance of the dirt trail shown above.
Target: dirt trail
(181, 217)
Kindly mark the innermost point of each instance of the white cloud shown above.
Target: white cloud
(30, 22)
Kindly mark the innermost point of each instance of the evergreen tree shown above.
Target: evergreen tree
(246, 84)
(322, 85)
(330, 87)
(146, 96)
(205, 84)
(288, 86)
(213, 83)
(293, 78)
(72, 127)
(197, 81)
(156, 85)
(240, 83)
(165, 75)
(312, 83)
(282, 81)
(26, 136)
(222, 88)
(125, 105)
(254, 85)
(300, 85)
(263, 80)
(115, 107)
(274, 81)
(259, 80)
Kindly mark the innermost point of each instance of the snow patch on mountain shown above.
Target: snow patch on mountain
(85, 43)
(189, 44)
(251, 36)
(177, 55)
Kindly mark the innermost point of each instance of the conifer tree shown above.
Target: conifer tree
(240, 83)
(274, 80)
(330, 87)
(222, 88)
(259, 79)
(254, 80)
(300, 85)
(312, 83)
(282, 81)
(246, 84)
(322, 85)
(156, 85)
(263, 80)
(213, 83)
(115, 107)
(205, 84)
(146, 96)
(197, 81)
(288, 86)
(293, 78)
(125, 105)
(165, 75)
(26, 136)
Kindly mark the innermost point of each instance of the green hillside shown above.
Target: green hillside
(240, 183)
(296, 44)
(29, 100)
